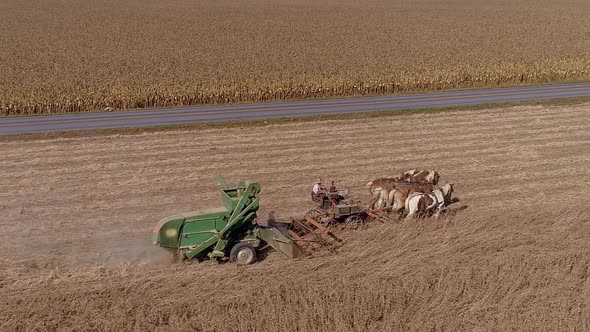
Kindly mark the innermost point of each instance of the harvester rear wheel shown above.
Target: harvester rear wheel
(242, 253)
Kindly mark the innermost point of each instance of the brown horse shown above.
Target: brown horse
(397, 197)
(381, 188)
(415, 175)
(434, 202)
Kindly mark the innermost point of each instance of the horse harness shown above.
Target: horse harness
(439, 201)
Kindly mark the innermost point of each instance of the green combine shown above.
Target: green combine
(229, 233)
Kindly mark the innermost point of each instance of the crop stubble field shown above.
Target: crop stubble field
(77, 216)
(70, 55)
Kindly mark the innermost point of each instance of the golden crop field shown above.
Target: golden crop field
(67, 55)
(78, 213)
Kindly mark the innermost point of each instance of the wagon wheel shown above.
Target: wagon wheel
(331, 224)
(354, 222)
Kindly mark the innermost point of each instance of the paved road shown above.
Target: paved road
(185, 115)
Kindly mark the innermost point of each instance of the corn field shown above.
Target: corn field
(71, 56)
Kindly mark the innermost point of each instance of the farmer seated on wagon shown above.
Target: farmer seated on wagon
(317, 192)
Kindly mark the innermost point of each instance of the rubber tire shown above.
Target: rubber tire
(233, 255)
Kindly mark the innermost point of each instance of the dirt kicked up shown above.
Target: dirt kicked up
(77, 216)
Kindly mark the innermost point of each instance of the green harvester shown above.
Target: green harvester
(229, 233)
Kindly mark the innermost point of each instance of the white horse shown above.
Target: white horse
(435, 201)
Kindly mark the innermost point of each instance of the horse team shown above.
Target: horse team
(415, 191)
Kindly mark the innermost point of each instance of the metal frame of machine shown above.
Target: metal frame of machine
(230, 233)
(333, 208)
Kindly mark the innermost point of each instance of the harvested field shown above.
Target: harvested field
(67, 55)
(78, 214)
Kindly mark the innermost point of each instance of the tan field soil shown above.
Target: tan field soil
(77, 216)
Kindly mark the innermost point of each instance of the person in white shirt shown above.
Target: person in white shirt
(317, 192)
(317, 188)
